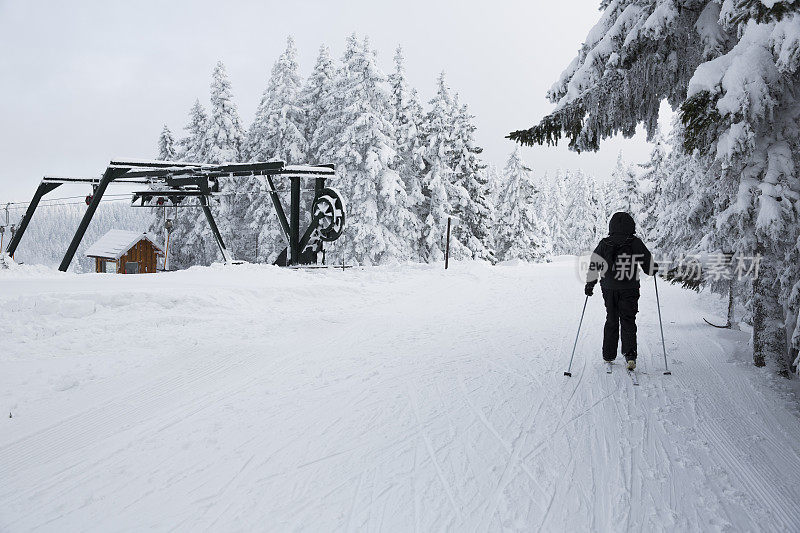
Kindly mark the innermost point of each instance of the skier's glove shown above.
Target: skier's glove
(589, 290)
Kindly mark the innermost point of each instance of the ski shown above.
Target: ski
(609, 366)
(726, 326)
(634, 377)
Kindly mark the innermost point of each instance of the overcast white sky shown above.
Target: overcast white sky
(87, 81)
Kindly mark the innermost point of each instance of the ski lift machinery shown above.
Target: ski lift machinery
(177, 183)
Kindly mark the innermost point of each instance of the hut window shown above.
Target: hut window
(110, 267)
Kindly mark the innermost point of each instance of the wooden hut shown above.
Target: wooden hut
(125, 252)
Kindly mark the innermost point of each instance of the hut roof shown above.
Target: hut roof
(116, 243)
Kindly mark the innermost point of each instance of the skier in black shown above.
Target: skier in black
(615, 262)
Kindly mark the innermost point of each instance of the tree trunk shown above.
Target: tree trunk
(769, 335)
(730, 305)
(758, 325)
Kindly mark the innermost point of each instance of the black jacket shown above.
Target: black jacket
(616, 259)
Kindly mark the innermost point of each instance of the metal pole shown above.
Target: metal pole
(447, 246)
(214, 229)
(168, 225)
(319, 184)
(661, 325)
(108, 176)
(276, 201)
(294, 221)
(166, 255)
(43, 189)
(569, 368)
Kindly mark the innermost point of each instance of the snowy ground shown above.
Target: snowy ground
(388, 398)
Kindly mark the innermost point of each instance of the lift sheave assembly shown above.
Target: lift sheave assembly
(183, 184)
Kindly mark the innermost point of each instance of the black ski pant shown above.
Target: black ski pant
(621, 308)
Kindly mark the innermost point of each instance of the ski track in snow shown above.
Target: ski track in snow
(392, 398)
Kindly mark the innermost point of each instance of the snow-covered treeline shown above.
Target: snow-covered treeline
(562, 214)
(731, 183)
(53, 225)
(403, 167)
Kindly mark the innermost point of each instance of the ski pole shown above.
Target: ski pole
(568, 373)
(661, 325)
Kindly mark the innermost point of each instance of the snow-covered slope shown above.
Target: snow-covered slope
(252, 398)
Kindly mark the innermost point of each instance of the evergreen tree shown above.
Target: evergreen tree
(438, 184)
(314, 94)
(224, 136)
(653, 180)
(521, 232)
(582, 213)
(556, 214)
(166, 145)
(224, 143)
(631, 193)
(407, 119)
(187, 246)
(538, 204)
(622, 192)
(193, 146)
(496, 183)
(191, 242)
(473, 207)
(682, 206)
(599, 218)
(364, 152)
(277, 133)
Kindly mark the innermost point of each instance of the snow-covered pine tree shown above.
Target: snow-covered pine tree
(622, 190)
(733, 69)
(556, 213)
(224, 136)
(191, 242)
(225, 143)
(539, 205)
(682, 206)
(313, 95)
(521, 231)
(364, 153)
(188, 244)
(742, 109)
(407, 119)
(166, 152)
(599, 208)
(277, 134)
(652, 181)
(632, 193)
(582, 213)
(438, 185)
(496, 184)
(166, 145)
(192, 147)
(469, 175)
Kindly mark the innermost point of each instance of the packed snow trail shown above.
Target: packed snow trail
(386, 398)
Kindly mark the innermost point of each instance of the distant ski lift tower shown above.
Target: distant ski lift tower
(178, 182)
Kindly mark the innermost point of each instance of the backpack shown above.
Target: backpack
(611, 251)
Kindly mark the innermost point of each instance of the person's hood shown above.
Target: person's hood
(621, 223)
